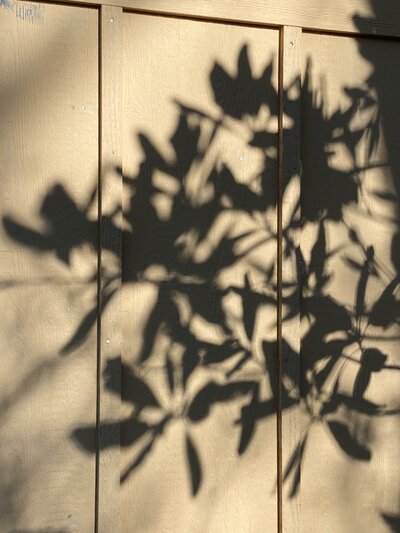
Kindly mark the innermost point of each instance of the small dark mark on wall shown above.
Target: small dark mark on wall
(28, 12)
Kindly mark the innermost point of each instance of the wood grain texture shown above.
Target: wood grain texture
(290, 205)
(110, 270)
(211, 469)
(349, 240)
(48, 167)
(379, 17)
(190, 473)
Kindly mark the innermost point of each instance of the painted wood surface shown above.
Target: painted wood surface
(48, 171)
(370, 17)
(289, 242)
(199, 448)
(109, 338)
(349, 241)
(204, 126)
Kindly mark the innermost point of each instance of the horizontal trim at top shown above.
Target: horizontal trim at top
(368, 17)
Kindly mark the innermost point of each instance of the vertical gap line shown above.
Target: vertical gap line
(99, 275)
(279, 281)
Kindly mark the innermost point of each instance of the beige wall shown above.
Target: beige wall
(349, 242)
(193, 245)
(49, 145)
(226, 252)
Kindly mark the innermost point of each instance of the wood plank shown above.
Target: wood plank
(48, 264)
(351, 16)
(109, 347)
(290, 217)
(200, 145)
(349, 240)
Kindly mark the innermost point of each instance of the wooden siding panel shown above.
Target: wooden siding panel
(48, 170)
(200, 166)
(291, 288)
(349, 242)
(371, 17)
(109, 348)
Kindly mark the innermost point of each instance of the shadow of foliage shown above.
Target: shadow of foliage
(181, 240)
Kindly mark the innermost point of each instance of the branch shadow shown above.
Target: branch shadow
(181, 241)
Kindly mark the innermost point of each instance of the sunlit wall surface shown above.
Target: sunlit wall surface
(259, 372)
